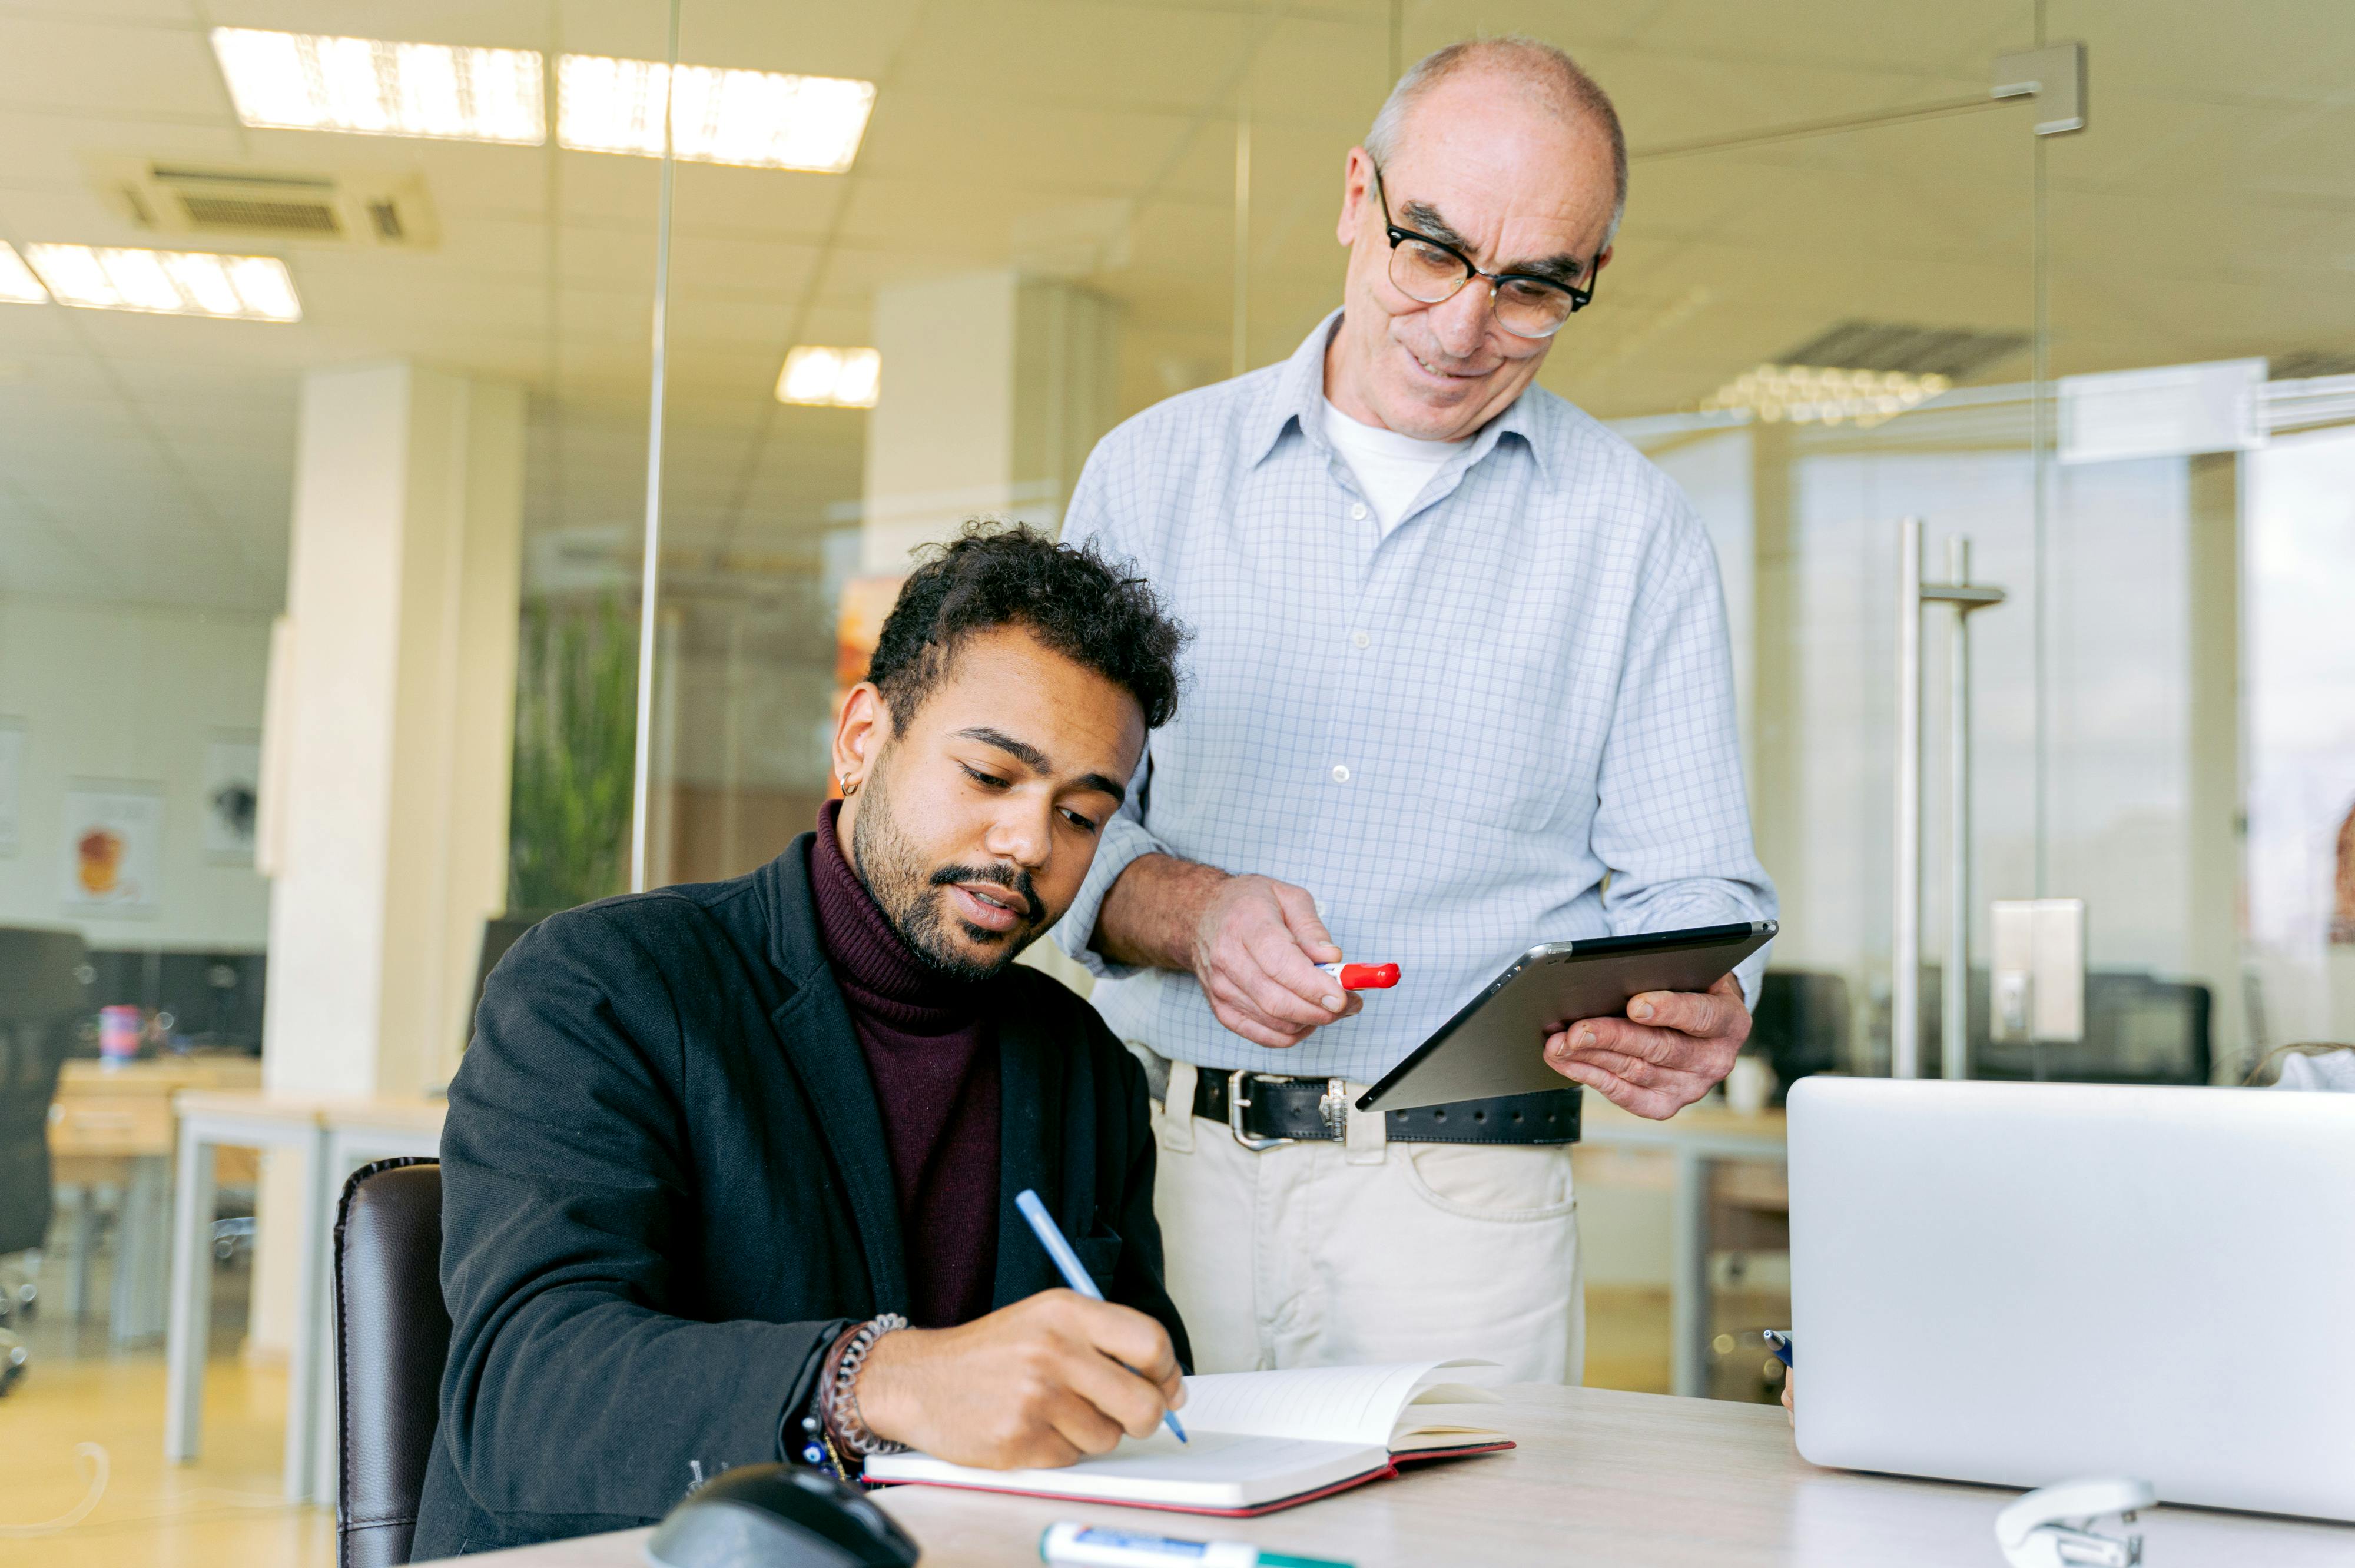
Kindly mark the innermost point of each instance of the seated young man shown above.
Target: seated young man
(712, 1143)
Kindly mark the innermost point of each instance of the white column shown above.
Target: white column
(397, 715)
(2216, 820)
(994, 389)
(389, 737)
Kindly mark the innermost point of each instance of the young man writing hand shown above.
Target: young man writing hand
(715, 1146)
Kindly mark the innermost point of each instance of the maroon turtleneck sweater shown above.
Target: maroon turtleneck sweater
(933, 1057)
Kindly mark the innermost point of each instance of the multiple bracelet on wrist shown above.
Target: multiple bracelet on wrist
(834, 1427)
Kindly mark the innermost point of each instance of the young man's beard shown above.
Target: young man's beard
(907, 891)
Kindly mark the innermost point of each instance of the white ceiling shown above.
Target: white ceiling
(2209, 212)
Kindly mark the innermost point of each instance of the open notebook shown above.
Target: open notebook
(1260, 1441)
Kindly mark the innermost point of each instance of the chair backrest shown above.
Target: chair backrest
(500, 932)
(1801, 1023)
(39, 996)
(392, 1336)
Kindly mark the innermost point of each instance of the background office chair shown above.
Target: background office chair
(392, 1336)
(42, 995)
(1801, 1023)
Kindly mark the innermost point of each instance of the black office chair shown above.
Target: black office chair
(392, 1336)
(500, 932)
(2138, 1030)
(41, 997)
(1801, 1023)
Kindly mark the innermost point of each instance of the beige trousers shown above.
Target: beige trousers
(1333, 1254)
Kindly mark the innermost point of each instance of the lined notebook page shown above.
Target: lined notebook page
(1216, 1470)
(1332, 1405)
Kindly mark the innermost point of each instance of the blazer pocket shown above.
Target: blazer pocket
(1101, 1254)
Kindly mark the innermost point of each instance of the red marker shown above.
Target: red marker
(1363, 977)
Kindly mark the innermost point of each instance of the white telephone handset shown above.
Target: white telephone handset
(2053, 1527)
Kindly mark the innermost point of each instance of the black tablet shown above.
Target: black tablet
(1495, 1043)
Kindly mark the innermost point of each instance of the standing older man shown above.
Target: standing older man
(1461, 686)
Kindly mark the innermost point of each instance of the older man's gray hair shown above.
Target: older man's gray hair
(1538, 66)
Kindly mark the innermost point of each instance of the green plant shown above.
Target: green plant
(568, 817)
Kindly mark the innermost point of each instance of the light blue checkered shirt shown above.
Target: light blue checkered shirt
(1450, 735)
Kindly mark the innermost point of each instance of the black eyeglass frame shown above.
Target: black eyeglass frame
(1579, 297)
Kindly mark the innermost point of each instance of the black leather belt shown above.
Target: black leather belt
(1261, 1110)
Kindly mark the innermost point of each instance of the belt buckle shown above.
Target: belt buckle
(1238, 1103)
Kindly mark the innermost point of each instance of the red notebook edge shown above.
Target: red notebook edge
(1347, 1483)
(1433, 1455)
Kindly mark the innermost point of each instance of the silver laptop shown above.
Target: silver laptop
(2021, 1283)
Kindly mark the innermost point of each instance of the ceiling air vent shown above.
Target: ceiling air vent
(334, 209)
(1955, 353)
(2304, 363)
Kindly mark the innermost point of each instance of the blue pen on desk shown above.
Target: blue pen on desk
(1103, 1546)
(1074, 1272)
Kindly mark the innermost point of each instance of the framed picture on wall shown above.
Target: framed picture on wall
(233, 786)
(113, 847)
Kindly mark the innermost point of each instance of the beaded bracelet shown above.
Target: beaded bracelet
(842, 1416)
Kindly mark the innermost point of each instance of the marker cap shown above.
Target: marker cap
(1363, 977)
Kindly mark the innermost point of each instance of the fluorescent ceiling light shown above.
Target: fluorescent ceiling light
(168, 282)
(304, 82)
(18, 284)
(756, 118)
(1807, 393)
(830, 377)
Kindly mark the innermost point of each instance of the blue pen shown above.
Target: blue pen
(1075, 1273)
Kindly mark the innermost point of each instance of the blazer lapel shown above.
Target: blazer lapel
(815, 1027)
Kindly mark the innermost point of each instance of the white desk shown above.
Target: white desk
(1601, 1478)
(1696, 1138)
(328, 1138)
(110, 1125)
(289, 1125)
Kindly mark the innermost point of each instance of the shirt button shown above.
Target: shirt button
(1341, 773)
(1357, 513)
(1361, 639)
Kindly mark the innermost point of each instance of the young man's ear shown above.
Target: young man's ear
(860, 732)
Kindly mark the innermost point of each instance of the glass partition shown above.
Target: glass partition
(920, 259)
(323, 409)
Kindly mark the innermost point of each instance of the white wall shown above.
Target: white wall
(131, 694)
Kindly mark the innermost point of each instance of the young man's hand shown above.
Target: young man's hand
(1041, 1382)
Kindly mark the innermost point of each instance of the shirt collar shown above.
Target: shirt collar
(1294, 396)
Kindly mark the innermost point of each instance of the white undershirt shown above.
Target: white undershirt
(1392, 469)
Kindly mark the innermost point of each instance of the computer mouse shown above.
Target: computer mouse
(779, 1516)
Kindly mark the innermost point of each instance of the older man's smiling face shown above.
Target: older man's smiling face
(1485, 161)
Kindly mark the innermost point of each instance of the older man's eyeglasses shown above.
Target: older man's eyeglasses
(1432, 273)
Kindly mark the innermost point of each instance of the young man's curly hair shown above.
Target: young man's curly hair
(1100, 616)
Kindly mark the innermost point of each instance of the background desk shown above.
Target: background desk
(327, 1137)
(112, 1128)
(1698, 1139)
(1601, 1478)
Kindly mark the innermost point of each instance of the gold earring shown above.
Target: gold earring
(849, 786)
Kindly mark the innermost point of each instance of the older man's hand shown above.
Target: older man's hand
(1665, 1055)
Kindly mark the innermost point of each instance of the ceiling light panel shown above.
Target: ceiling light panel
(168, 282)
(828, 378)
(1807, 393)
(754, 118)
(18, 284)
(372, 88)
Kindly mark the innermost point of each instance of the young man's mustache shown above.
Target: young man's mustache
(1018, 882)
